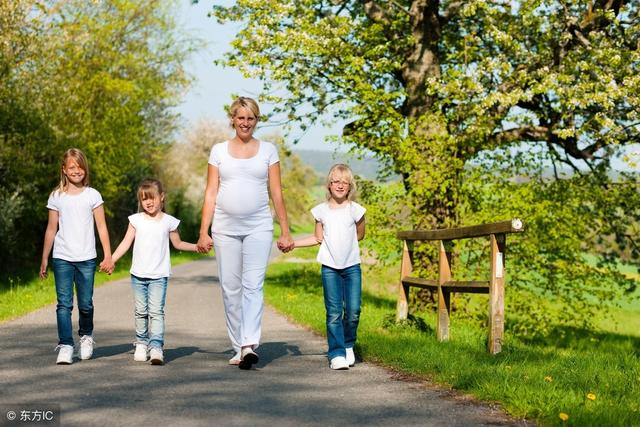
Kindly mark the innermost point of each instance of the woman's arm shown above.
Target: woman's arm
(125, 244)
(360, 228)
(205, 242)
(177, 243)
(285, 242)
(101, 224)
(49, 237)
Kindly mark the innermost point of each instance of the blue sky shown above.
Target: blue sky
(214, 85)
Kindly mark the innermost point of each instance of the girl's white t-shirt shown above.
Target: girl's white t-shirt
(75, 240)
(339, 248)
(151, 258)
(242, 204)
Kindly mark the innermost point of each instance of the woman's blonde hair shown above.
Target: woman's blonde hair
(149, 189)
(81, 160)
(244, 102)
(345, 173)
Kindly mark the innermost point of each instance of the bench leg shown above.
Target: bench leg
(496, 294)
(444, 309)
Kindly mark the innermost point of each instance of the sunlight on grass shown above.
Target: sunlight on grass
(593, 378)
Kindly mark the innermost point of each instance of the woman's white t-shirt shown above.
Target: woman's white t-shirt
(242, 204)
(339, 248)
(151, 258)
(75, 240)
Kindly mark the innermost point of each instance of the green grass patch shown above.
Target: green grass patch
(536, 380)
(22, 294)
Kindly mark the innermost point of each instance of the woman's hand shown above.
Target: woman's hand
(285, 243)
(205, 243)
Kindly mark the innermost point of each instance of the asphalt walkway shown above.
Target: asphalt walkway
(291, 386)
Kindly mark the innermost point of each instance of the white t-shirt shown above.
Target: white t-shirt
(242, 204)
(339, 248)
(151, 258)
(75, 240)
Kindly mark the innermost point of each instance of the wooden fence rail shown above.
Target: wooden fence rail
(445, 286)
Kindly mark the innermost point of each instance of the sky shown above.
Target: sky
(214, 85)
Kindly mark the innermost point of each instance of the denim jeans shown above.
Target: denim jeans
(150, 295)
(342, 295)
(67, 273)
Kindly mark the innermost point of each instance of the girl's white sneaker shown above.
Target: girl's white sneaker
(157, 357)
(339, 363)
(86, 347)
(65, 354)
(351, 357)
(140, 355)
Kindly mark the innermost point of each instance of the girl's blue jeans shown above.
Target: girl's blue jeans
(150, 296)
(342, 297)
(67, 273)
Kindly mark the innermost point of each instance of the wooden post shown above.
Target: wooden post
(402, 308)
(496, 293)
(444, 297)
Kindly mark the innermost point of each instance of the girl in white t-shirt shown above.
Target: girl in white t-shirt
(339, 227)
(151, 228)
(74, 207)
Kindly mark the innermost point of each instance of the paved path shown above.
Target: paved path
(291, 386)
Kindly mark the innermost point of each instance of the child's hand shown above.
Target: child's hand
(107, 266)
(43, 269)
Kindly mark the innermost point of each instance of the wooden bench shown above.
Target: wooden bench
(445, 286)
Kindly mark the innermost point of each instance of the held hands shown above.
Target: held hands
(107, 266)
(205, 243)
(285, 243)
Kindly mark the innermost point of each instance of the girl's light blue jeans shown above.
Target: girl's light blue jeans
(342, 298)
(67, 273)
(150, 296)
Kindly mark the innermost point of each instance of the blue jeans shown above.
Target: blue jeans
(150, 295)
(67, 273)
(342, 297)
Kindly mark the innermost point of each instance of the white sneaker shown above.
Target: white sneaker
(351, 358)
(235, 360)
(339, 363)
(157, 357)
(86, 347)
(141, 353)
(65, 354)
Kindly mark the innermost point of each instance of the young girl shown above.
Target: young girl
(150, 267)
(73, 208)
(339, 227)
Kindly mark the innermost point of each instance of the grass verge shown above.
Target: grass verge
(19, 296)
(591, 379)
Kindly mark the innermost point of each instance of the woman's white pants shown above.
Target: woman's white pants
(242, 263)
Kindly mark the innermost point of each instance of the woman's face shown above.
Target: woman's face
(244, 122)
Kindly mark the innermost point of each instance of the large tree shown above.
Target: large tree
(432, 83)
(446, 89)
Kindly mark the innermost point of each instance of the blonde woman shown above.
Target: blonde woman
(243, 173)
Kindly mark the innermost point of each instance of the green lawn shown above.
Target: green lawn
(592, 378)
(19, 296)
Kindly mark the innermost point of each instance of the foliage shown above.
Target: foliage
(386, 214)
(100, 76)
(454, 92)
